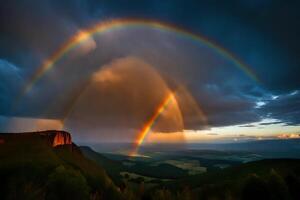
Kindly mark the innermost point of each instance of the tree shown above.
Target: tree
(162, 194)
(66, 184)
(20, 188)
(255, 188)
(279, 189)
(185, 194)
(293, 183)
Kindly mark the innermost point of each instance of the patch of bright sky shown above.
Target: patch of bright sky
(294, 92)
(260, 104)
(267, 128)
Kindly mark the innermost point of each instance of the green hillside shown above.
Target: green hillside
(30, 168)
(112, 167)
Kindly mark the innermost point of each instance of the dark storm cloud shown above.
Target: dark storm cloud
(286, 108)
(263, 34)
(225, 105)
(10, 84)
(247, 125)
(32, 30)
(219, 97)
(270, 123)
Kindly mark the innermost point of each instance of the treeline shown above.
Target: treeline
(66, 182)
(271, 186)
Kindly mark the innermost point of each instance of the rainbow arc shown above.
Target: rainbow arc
(110, 25)
(147, 127)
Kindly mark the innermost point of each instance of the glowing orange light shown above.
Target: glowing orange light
(145, 130)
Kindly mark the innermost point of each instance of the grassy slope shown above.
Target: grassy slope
(30, 156)
(112, 167)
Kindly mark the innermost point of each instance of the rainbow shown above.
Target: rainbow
(105, 26)
(147, 127)
(109, 25)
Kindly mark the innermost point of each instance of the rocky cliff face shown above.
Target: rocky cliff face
(52, 137)
(61, 138)
(57, 138)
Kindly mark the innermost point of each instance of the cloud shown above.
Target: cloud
(32, 31)
(270, 123)
(203, 72)
(87, 44)
(10, 85)
(18, 124)
(123, 95)
(212, 134)
(106, 75)
(248, 125)
(289, 136)
(225, 106)
(285, 109)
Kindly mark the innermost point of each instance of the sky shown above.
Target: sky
(107, 87)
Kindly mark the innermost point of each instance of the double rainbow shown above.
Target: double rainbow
(109, 25)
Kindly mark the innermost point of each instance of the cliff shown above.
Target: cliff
(52, 137)
(57, 138)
